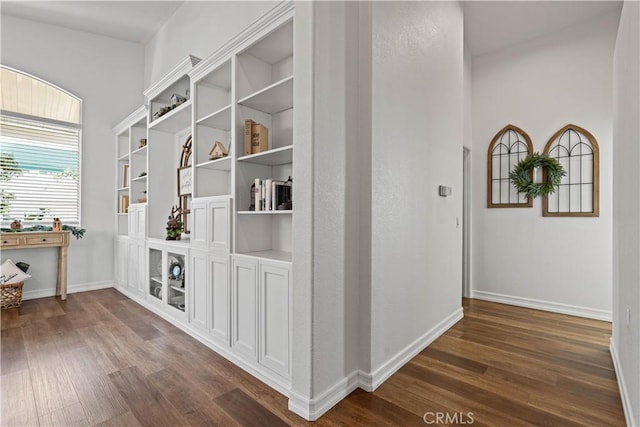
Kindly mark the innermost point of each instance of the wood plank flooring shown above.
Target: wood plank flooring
(100, 359)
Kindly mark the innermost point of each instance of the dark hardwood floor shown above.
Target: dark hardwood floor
(100, 359)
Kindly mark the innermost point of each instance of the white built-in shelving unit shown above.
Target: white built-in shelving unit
(234, 292)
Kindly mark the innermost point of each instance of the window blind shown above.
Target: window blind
(40, 176)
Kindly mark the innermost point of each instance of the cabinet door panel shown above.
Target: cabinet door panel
(198, 314)
(131, 219)
(220, 298)
(199, 225)
(274, 318)
(244, 307)
(132, 271)
(219, 225)
(141, 221)
(123, 263)
(141, 266)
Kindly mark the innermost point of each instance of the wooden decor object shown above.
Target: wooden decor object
(510, 145)
(218, 151)
(579, 193)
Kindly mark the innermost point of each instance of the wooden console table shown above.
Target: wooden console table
(42, 239)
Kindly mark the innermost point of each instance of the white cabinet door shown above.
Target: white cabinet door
(123, 262)
(132, 270)
(244, 308)
(199, 295)
(132, 218)
(137, 221)
(199, 221)
(219, 225)
(274, 318)
(141, 267)
(220, 301)
(141, 221)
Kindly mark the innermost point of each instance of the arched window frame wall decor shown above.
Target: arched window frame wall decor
(501, 176)
(581, 149)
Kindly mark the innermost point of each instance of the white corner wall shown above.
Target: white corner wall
(198, 28)
(626, 211)
(558, 264)
(107, 75)
(417, 139)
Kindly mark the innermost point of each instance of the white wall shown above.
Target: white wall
(540, 86)
(626, 210)
(107, 74)
(198, 28)
(417, 134)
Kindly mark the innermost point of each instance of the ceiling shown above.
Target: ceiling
(492, 25)
(135, 21)
(489, 25)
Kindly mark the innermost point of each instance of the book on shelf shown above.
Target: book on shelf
(124, 203)
(125, 176)
(271, 195)
(256, 137)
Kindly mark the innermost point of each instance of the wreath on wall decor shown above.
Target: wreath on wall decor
(521, 175)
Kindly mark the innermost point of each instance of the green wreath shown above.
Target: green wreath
(521, 175)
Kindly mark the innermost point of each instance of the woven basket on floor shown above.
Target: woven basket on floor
(11, 295)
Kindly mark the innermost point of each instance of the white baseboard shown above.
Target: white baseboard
(274, 381)
(372, 381)
(71, 289)
(312, 409)
(554, 307)
(624, 394)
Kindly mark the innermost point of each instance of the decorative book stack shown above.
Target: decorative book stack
(271, 195)
(256, 137)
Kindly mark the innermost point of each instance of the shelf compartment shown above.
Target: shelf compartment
(177, 289)
(277, 156)
(223, 164)
(124, 158)
(156, 279)
(139, 151)
(123, 189)
(280, 212)
(175, 120)
(139, 178)
(220, 119)
(273, 99)
(270, 255)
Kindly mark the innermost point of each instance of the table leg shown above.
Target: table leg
(61, 285)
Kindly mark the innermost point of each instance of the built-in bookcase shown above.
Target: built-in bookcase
(229, 279)
(213, 123)
(264, 88)
(131, 166)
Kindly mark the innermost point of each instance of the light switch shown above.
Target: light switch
(444, 191)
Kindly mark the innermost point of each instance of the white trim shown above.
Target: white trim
(554, 307)
(131, 120)
(71, 289)
(312, 409)
(220, 56)
(624, 394)
(279, 384)
(171, 77)
(374, 380)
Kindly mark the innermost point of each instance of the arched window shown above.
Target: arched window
(579, 192)
(40, 133)
(507, 148)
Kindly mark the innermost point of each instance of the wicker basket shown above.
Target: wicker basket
(11, 295)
